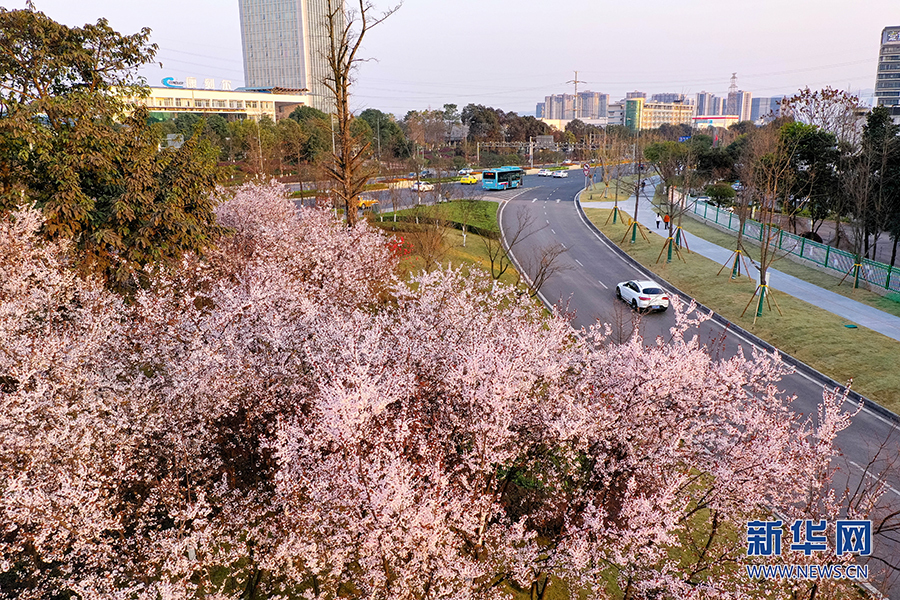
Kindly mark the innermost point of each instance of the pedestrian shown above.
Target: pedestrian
(667, 220)
(658, 220)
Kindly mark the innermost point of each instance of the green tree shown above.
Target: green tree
(185, 123)
(316, 127)
(483, 123)
(721, 193)
(814, 182)
(74, 143)
(388, 138)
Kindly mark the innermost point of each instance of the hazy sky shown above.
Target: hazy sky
(510, 54)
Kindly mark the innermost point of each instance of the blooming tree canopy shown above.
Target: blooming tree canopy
(286, 419)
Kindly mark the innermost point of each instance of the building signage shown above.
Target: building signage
(171, 83)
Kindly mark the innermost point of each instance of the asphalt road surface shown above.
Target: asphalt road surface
(544, 210)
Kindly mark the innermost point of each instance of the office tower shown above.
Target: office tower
(539, 110)
(887, 81)
(285, 45)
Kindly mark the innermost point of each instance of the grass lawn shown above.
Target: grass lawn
(476, 213)
(811, 334)
(598, 193)
(480, 214)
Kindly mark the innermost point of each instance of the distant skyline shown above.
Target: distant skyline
(510, 55)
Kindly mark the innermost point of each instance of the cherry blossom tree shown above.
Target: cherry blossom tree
(285, 418)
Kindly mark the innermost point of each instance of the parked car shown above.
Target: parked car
(427, 173)
(421, 186)
(567, 162)
(468, 179)
(643, 294)
(545, 173)
(465, 171)
(559, 174)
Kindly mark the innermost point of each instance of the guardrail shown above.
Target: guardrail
(838, 262)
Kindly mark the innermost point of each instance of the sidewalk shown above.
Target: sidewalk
(846, 308)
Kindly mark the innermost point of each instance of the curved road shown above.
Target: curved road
(586, 285)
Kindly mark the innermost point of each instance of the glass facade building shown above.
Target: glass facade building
(887, 82)
(285, 45)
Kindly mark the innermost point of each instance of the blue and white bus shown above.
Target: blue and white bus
(503, 178)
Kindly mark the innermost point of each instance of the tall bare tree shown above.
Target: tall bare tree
(768, 173)
(346, 29)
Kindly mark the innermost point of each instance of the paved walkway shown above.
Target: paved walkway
(854, 312)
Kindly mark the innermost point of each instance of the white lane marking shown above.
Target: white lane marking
(563, 245)
(603, 284)
(533, 201)
(875, 477)
(579, 262)
(551, 230)
(548, 222)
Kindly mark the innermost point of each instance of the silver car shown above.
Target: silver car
(643, 294)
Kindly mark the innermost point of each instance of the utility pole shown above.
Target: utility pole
(575, 103)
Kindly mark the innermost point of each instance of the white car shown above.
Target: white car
(465, 171)
(421, 186)
(559, 174)
(643, 294)
(545, 173)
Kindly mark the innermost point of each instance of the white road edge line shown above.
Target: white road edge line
(578, 261)
(603, 284)
(876, 478)
(551, 231)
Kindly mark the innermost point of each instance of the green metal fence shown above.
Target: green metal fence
(838, 262)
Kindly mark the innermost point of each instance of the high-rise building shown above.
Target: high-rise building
(539, 110)
(707, 104)
(887, 81)
(635, 94)
(765, 108)
(591, 105)
(586, 105)
(739, 104)
(559, 106)
(285, 44)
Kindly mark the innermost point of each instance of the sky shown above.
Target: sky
(510, 54)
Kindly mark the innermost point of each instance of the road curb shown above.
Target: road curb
(798, 365)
